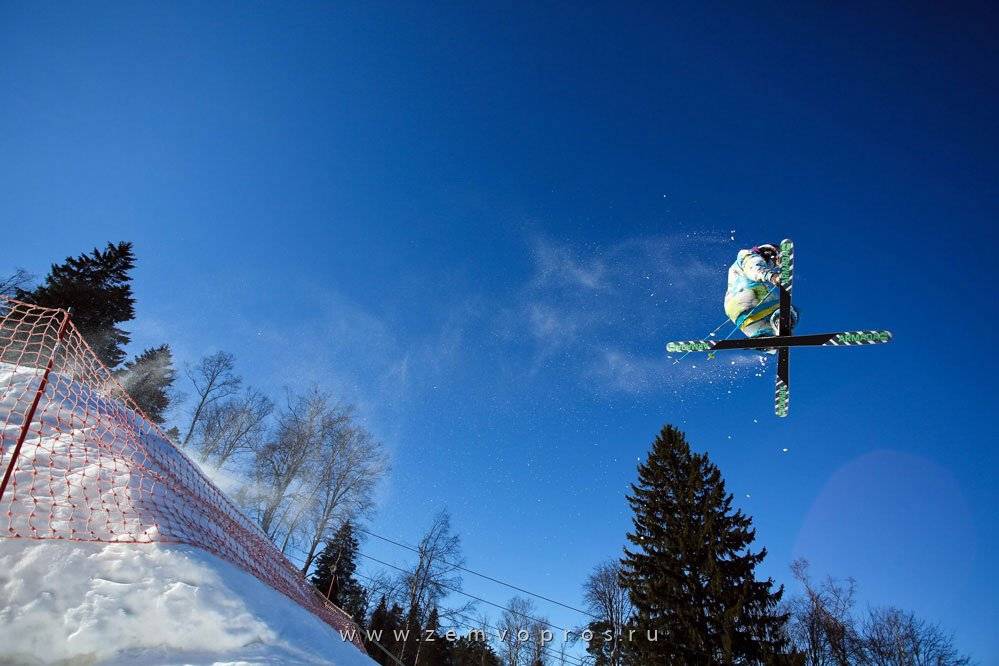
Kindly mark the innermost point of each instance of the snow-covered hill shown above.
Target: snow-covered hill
(115, 548)
(73, 602)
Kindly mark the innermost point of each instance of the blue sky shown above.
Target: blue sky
(482, 223)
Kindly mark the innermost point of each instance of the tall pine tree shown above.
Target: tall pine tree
(333, 574)
(600, 648)
(98, 288)
(434, 649)
(691, 574)
(148, 378)
(382, 626)
(470, 651)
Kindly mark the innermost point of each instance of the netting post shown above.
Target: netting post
(34, 404)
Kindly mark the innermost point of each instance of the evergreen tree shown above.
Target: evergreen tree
(472, 652)
(98, 288)
(148, 378)
(397, 623)
(435, 649)
(691, 573)
(381, 628)
(334, 573)
(410, 645)
(600, 649)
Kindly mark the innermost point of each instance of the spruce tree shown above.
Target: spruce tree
(468, 651)
(691, 574)
(397, 623)
(599, 648)
(98, 288)
(436, 651)
(410, 645)
(381, 630)
(148, 378)
(334, 573)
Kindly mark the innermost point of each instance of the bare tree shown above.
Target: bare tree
(434, 575)
(213, 379)
(350, 465)
(563, 649)
(538, 632)
(283, 464)
(520, 633)
(228, 427)
(892, 637)
(609, 601)
(822, 625)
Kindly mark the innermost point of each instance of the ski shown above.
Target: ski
(842, 339)
(782, 390)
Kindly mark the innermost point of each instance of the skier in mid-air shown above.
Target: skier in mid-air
(752, 301)
(759, 286)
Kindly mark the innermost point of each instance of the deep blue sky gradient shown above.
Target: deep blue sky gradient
(482, 223)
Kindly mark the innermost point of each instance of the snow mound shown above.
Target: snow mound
(100, 603)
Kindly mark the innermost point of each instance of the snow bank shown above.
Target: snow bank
(76, 602)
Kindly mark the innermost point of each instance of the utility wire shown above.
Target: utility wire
(470, 596)
(385, 650)
(484, 576)
(575, 661)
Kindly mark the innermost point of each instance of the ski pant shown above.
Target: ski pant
(765, 326)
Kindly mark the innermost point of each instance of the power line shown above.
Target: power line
(471, 596)
(484, 576)
(572, 659)
(385, 650)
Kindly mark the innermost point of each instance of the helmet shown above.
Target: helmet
(768, 251)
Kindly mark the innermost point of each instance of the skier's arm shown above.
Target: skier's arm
(757, 269)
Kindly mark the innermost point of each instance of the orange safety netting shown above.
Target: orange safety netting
(80, 461)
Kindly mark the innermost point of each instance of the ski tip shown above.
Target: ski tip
(786, 263)
(782, 399)
(690, 346)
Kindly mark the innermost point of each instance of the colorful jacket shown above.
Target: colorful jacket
(749, 284)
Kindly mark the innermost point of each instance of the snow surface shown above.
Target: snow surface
(78, 602)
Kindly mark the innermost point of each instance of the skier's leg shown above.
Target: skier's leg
(759, 328)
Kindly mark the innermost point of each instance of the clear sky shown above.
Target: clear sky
(482, 223)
